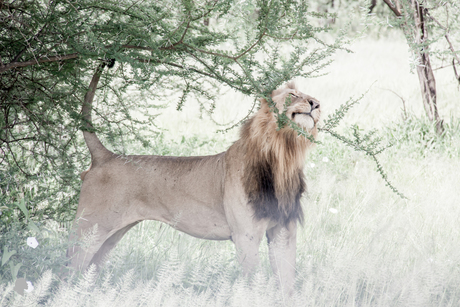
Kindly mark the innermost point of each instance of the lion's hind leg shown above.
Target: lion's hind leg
(94, 243)
(109, 244)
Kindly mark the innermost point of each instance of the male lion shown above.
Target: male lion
(253, 188)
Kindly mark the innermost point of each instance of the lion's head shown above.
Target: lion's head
(303, 109)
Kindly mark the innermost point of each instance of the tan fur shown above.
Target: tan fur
(252, 189)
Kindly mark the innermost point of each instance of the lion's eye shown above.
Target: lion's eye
(294, 95)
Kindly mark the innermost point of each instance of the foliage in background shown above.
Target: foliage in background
(369, 143)
(432, 30)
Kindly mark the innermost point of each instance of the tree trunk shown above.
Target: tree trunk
(425, 74)
(371, 7)
(424, 70)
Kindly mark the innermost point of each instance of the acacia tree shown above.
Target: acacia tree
(424, 23)
(49, 49)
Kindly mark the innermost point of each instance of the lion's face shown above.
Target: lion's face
(303, 109)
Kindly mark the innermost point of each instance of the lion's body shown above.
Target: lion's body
(252, 189)
(168, 189)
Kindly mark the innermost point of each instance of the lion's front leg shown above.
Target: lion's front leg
(247, 243)
(282, 254)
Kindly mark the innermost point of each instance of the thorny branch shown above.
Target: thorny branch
(56, 58)
(371, 153)
(64, 57)
(451, 47)
(396, 8)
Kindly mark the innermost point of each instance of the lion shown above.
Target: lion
(253, 188)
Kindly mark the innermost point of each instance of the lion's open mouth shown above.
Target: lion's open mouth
(305, 113)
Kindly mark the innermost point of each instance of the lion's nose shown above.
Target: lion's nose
(314, 105)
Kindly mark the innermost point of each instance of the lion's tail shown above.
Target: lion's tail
(97, 150)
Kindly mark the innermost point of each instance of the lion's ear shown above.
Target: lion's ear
(291, 85)
(279, 104)
(279, 96)
(289, 88)
(276, 92)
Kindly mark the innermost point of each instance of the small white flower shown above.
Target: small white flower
(312, 165)
(333, 210)
(32, 242)
(325, 159)
(30, 287)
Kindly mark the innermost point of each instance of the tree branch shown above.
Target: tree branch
(371, 7)
(236, 57)
(455, 71)
(178, 42)
(148, 61)
(394, 7)
(56, 58)
(446, 35)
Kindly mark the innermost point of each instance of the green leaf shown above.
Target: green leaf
(32, 226)
(21, 204)
(7, 255)
(15, 269)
